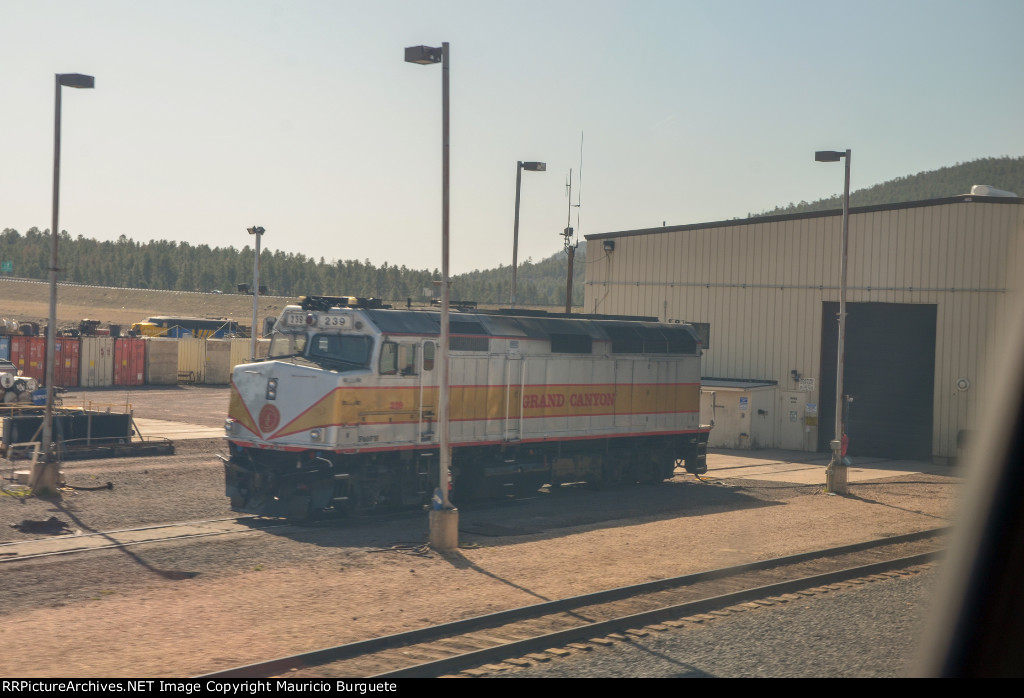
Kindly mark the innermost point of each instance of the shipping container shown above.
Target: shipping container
(96, 362)
(66, 352)
(217, 369)
(28, 354)
(161, 361)
(130, 361)
(191, 360)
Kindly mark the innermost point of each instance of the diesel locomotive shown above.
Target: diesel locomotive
(341, 416)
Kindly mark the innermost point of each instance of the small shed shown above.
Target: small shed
(743, 412)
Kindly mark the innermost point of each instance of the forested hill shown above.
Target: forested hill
(183, 267)
(1002, 173)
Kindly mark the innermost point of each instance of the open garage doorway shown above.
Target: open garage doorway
(890, 373)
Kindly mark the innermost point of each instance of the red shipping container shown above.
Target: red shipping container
(37, 359)
(19, 352)
(66, 352)
(129, 361)
(28, 354)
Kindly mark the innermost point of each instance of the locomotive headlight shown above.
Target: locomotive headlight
(315, 435)
(272, 389)
(230, 426)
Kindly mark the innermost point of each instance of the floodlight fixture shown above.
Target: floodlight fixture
(423, 55)
(529, 167)
(828, 155)
(76, 80)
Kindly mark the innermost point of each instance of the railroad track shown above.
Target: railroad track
(559, 626)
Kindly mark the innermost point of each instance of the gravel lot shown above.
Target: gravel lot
(189, 607)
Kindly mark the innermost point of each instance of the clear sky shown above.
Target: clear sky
(210, 116)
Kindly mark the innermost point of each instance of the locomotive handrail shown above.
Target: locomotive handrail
(508, 396)
(422, 382)
(411, 410)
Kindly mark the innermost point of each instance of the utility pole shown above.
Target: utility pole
(836, 472)
(570, 249)
(44, 475)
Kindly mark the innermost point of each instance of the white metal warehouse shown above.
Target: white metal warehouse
(929, 283)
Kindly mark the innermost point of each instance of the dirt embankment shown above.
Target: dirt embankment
(29, 301)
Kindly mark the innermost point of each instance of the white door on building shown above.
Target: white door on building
(794, 434)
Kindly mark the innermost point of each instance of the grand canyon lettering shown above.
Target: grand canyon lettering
(594, 399)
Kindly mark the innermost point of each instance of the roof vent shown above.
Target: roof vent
(986, 190)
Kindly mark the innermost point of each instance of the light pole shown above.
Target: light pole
(44, 475)
(835, 474)
(444, 523)
(529, 167)
(258, 232)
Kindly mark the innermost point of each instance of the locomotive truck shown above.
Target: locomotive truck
(341, 416)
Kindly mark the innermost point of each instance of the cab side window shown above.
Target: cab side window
(388, 359)
(397, 359)
(407, 359)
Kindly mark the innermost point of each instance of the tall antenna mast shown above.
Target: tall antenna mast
(572, 243)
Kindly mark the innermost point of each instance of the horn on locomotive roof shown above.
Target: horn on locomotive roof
(328, 302)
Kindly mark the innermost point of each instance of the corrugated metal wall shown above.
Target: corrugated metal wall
(217, 370)
(241, 347)
(191, 360)
(761, 283)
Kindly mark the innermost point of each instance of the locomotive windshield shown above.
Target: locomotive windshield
(348, 351)
(284, 344)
